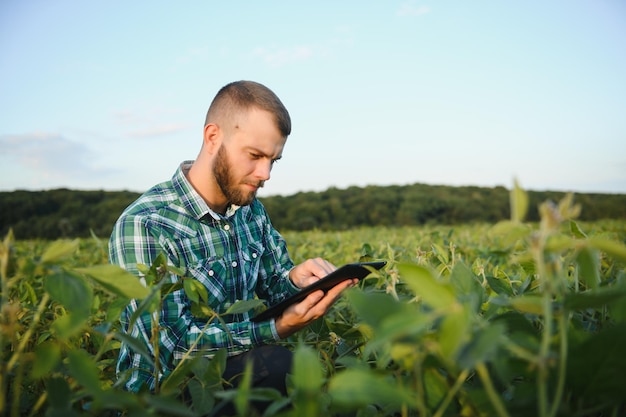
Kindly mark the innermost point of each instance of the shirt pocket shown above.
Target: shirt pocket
(213, 275)
(251, 257)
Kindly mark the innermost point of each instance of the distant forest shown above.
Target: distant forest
(71, 213)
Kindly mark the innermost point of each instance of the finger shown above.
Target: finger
(323, 304)
(311, 300)
(336, 291)
(311, 308)
(321, 267)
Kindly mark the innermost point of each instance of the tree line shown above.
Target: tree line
(53, 214)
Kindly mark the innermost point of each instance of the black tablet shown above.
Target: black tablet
(356, 270)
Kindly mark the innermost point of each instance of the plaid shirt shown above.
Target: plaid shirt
(235, 256)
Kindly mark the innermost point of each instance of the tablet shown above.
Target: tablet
(357, 270)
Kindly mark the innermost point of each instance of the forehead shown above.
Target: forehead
(258, 129)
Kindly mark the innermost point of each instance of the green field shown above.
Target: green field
(507, 319)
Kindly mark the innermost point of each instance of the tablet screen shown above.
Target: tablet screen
(357, 270)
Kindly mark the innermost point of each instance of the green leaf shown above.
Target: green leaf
(356, 388)
(243, 306)
(116, 280)
(514, 322)
(483, 346)
(182, 371)
(519, 203)
(59, 250)
(308, 379)
(149, 304)
(466, 286)
(69, 325)
(612, 248)
(596, 367)
(84, 370)
(168, 406)
(435, 294)
(588, 267)
(509, 231)
(386, 306)
(528, 304)
(440, 252)
(436, 387)
(202, 398)
(211, 373)
(500, 286)
(307, 370)
(59, 393)
(593, 299)
(576, 230)
(47, 357)
(115, 308)
(242, 398)
(71, 291)
(135, 344)
(454, 332)
(157, 270)
(397, 327)
(195, 291)
(559, 243)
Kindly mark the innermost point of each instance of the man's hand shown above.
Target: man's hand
(310, 271)
(315, 304)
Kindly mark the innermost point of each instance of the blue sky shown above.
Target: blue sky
(112, 94)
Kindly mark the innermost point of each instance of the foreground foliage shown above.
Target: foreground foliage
(511, 319)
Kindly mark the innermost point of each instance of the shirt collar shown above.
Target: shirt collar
(192, 201)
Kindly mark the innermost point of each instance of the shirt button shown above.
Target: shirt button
(234, 264)
(254, 255)
(227, 227)
(211, 273)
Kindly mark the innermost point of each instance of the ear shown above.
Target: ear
(212, 137)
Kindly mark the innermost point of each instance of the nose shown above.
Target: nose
(263, 169)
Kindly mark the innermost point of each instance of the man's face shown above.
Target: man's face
(244, 160)
(232, 187)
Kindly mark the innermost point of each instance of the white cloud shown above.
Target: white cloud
(277, 56)
(148, 123)
(410, 8)
(48, 155)
(161, 130)
(131, 116)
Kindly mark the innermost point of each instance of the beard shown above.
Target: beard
(228, 184)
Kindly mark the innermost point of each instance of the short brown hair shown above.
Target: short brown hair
(242, 95)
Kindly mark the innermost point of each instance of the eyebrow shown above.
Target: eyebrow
(260, 152)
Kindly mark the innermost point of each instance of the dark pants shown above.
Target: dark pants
(271, 364)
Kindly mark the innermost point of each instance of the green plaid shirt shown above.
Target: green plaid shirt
(235, 256)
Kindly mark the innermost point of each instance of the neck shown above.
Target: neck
(202, 180)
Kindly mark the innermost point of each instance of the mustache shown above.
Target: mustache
(258, 184)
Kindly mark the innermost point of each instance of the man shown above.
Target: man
(208, 223)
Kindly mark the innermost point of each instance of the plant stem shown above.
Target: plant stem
(26, 336)
(5, 251)
(546, 302)
(544, 351)
(419, 381)
(563, 322)
(155, 345)
(38, 404)
(495, 399)
(17, 390)
(451, 393)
